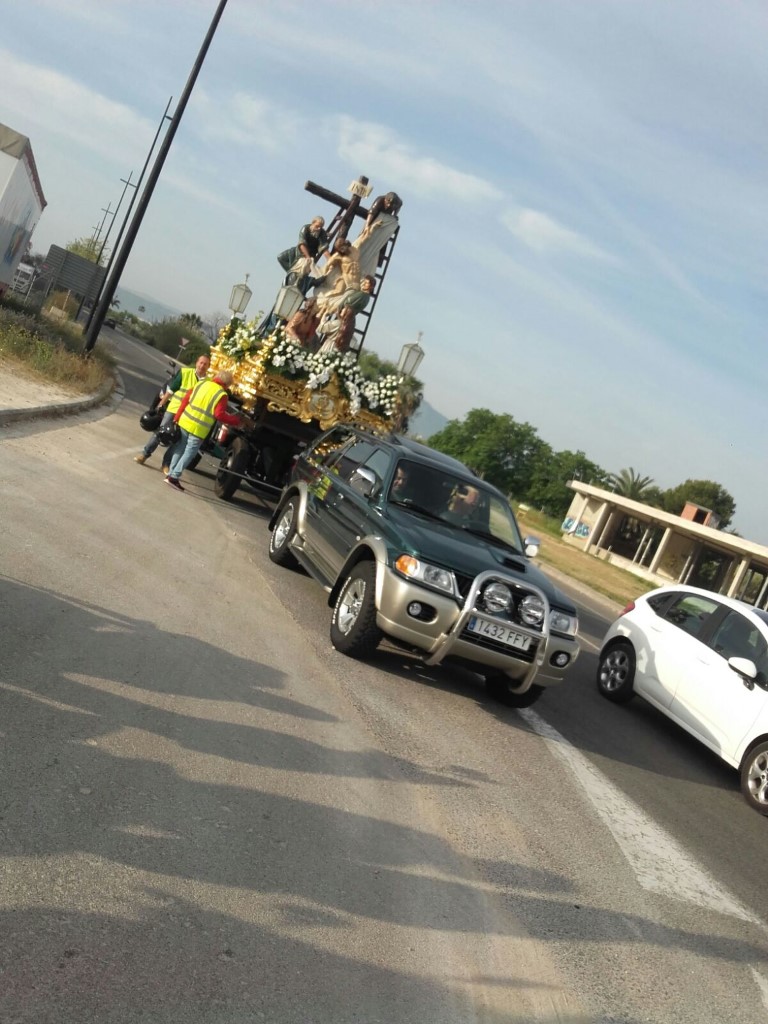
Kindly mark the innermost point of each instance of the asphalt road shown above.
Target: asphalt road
(207, 814)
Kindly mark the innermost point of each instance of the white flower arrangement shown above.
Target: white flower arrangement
(238, 339)
(287, 359)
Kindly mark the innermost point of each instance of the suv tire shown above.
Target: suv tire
(498, 686)
(353, 625)
(282, 534)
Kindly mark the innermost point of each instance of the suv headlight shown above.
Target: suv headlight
(561, 622)
(497, 597)
(431, 575)
(532, 610)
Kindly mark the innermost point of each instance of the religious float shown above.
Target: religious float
(287, 390)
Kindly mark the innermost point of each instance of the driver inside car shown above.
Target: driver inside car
(464, 505)
(398, 491)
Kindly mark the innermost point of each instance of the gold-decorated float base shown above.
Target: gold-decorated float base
(328, 405)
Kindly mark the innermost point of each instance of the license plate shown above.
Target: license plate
(494, 631)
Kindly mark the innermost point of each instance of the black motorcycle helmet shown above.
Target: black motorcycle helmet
(169, 435)
(151, 420)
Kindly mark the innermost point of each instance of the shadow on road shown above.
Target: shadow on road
(635, 735)
(158, 863)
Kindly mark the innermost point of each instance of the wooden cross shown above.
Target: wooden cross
(348, 208)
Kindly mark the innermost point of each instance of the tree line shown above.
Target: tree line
(511, 456)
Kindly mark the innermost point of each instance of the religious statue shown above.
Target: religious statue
(300, 258)
(337, 331)
(380, 225)
(302, 326)
(340, 274)
(356, 298)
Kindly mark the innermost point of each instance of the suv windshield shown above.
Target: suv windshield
(439, 494)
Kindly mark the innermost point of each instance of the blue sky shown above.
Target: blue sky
(584, 225)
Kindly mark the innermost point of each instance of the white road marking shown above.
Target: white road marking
(658, 861)
(584, 642)
(762, 984)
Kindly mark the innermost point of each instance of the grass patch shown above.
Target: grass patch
(51, 352)
(610, 581)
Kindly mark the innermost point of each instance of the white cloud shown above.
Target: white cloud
(194, 190)
(544, 235)
(249, 120)
(44, 99)
(378, 147)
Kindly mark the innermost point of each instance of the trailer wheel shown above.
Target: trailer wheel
(235, 461)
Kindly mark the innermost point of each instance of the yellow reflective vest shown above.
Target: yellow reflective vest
(197, 418)
(188, 380)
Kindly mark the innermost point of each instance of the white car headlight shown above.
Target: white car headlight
(560, 622)
(432, 575)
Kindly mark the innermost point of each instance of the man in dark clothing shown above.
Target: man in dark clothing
(390, 203)
(313, 242)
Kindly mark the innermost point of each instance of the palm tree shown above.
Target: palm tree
(630, 484)
(411, 393)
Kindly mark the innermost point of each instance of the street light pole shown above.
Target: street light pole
(409, 362)
(125, 250)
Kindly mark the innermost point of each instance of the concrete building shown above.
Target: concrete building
(666, 548)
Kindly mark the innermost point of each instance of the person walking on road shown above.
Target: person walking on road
(200, 408)
(185, 379)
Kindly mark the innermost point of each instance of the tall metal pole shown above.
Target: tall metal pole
(98, 229)
(114, 215)
(125, 250)
(135, 188)
(101, 249)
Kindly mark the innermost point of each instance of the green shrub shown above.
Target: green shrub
(51, 352)
(194, 350)
(166, 336)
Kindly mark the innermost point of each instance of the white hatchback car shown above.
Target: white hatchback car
(702, 660)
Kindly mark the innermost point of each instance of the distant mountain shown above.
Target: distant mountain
(426, 421)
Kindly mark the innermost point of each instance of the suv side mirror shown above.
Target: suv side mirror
(364, 481)
(532, 545)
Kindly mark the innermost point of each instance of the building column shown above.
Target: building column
(577, 517)
(690, 564)
(656, 560)
(597, 530)
(739, 575)
(607, 528)
(648, 546)
(638, 554)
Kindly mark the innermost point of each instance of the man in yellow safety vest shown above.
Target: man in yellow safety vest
(200, 408)
(173, 393)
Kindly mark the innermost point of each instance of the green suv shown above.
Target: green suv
(411, 545)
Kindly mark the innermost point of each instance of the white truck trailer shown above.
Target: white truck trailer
(21, 201)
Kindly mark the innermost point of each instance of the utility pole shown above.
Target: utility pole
(122, 257)
(100, 253)
(98, 228)
(135, 188)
